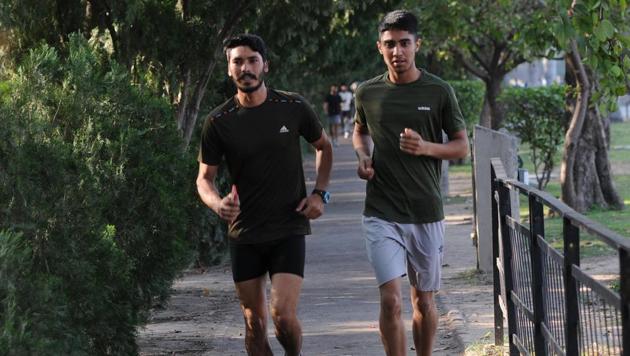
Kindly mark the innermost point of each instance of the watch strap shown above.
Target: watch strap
(323, 194)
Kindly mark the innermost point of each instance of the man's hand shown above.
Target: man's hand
(411, 142)
(312, 206)
(230, 206)
(365, 170)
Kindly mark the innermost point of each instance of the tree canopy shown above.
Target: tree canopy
(488, 38)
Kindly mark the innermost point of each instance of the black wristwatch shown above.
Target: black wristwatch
(323, 194)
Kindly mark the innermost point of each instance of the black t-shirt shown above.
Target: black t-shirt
(334, 104)
(261, 146)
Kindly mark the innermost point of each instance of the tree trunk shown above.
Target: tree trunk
(486, 115)
(492, 113)
(586, 182)
(193, 93)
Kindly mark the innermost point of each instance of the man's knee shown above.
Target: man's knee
(391, 305)
(255, 322)
(283, 318)
(424, 303)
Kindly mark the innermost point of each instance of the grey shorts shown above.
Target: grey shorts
(334, 119)
(395, 250)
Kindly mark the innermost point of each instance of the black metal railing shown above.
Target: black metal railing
(552, 306)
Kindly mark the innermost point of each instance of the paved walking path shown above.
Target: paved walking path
(339, 302)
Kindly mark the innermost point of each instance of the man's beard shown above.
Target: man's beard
(248, 89)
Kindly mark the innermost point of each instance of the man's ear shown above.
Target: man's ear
(378, 46)
(418, 44)
(266, 67)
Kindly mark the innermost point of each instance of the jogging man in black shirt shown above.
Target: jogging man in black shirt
(258, 133)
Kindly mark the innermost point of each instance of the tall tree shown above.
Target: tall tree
(595, 35)
(486, 37)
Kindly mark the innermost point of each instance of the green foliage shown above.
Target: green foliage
(488, 38)
(535, 115)
(470, 94)
(602, 33)
(94, 181)
(481, 27)
(338, 47)
(33, 319)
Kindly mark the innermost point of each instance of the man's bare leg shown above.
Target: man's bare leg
(253, 304)
(425, 321)
(390, 321)
(285, 295)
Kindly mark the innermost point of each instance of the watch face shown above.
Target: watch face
(323, 194)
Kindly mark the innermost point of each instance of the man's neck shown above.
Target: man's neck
(409, 76)
(253, 99)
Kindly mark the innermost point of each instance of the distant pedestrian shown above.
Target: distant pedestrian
(398, 139)
(346, 106)
(258, 133)
(332, 107)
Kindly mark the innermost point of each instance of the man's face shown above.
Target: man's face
(399, 50)
(333, 89)
(344, 88)
(246, 68)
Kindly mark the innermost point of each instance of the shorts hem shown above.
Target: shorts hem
(245, 279)
(390, 279)
(286, 272)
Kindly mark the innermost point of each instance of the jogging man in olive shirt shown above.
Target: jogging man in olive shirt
(398, 139)
(258, 133)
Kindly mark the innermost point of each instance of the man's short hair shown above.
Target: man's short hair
(401, 20)
(246, 39)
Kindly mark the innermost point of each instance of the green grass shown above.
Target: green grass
(615, 220)
(619, 142)
(618, 221)
(466, 167)
(457, 199)
(620, 134)
(589, 244)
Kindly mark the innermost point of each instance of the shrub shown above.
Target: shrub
(535, 115)
(33, 320)
(470, 95)
(93, 178)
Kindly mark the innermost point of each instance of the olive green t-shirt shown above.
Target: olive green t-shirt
(261, 146)
(406, 188)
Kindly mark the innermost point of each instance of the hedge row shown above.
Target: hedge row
(97, 201)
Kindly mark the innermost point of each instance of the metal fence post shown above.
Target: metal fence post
(496, 276)
(505, 209)
(537, 227)
(571, 257)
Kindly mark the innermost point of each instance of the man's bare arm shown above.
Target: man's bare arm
(363, 146)
(228, 207)
(457, 147)
(323, 161)
(312, 206)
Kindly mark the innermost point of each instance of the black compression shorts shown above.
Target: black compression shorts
(250, 261)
